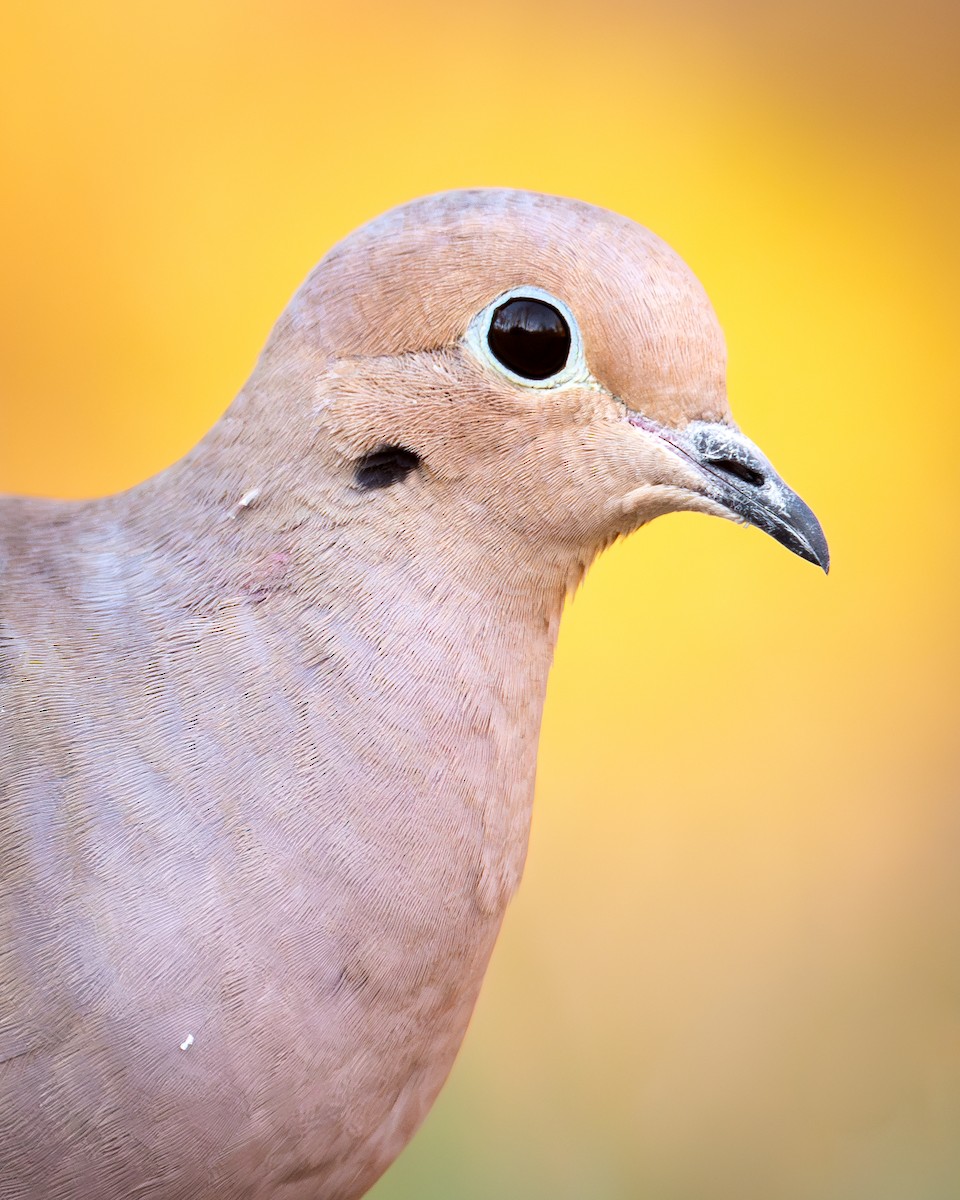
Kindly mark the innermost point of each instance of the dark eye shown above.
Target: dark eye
(530, 338)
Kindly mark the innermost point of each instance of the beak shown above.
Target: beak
(739, 477)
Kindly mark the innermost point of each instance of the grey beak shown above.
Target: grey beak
(741, 478)
(737, 475)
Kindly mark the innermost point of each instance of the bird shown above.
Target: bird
(269, 719)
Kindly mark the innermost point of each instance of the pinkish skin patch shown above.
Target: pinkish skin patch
(268, 576)
(648, 426)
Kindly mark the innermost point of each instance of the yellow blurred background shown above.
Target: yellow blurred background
(733, 969)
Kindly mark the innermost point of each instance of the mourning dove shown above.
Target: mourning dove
(268, 722)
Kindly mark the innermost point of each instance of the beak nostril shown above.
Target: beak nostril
(732, 467)
(740, 479)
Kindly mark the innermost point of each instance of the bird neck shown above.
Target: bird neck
(417, 641)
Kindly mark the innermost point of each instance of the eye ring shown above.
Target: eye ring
(573, 373)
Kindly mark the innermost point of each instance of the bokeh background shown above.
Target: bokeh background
(733, 969)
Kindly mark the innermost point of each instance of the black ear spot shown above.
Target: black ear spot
(385, 466)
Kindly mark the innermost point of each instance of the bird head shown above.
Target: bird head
(550, 368)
